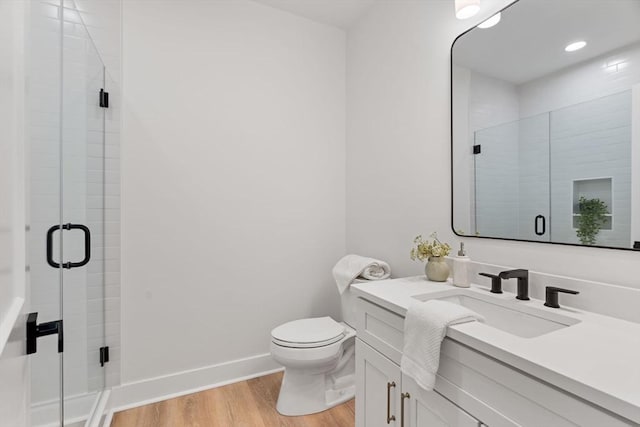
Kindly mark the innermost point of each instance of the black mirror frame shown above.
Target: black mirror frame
(451, 163)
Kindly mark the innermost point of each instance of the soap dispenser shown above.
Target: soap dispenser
(461, 269)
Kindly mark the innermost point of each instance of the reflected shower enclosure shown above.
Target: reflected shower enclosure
(530, 174)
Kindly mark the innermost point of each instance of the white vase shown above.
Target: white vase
(437, 269)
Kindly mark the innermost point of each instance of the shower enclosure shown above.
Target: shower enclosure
(67, 103)
(530, 174)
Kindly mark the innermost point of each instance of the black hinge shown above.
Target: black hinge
(104, 99)
(636, 245)
(104, 355)
(477, 149)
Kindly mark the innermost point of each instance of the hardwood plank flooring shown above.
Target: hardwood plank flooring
(250, 403)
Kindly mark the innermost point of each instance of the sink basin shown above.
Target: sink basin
(523, 321)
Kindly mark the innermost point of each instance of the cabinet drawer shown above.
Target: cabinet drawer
(483, 385)
(381, 329)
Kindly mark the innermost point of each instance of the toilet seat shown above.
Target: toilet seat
(308, 333)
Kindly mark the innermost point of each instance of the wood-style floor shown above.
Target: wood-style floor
(250, 403)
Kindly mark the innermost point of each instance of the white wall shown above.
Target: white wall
(233, 179)
(398, 91)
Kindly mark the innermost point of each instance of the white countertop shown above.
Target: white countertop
(597, 359)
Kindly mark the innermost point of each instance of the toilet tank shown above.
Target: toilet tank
(348, 303)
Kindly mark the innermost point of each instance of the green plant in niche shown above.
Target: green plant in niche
(591, 219)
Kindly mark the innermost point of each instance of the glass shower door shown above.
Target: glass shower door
(66, 214)
(44, 205)
(512, 198)
(496, 181)
(83, 204)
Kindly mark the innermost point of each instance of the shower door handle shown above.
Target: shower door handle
(544, 225)
(35, 331)
(87, 245)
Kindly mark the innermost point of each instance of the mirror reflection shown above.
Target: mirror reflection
(546, 124)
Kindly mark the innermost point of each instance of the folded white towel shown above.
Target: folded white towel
(351, 266)
(424, 329)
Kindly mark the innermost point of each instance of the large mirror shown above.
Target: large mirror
(546, 124)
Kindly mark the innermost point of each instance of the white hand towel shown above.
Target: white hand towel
(424, 329)
(351, 266)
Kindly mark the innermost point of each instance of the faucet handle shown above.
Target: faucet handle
(496, 282)
(551, 295)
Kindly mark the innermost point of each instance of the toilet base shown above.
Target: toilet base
(304, 394)
(316, 379)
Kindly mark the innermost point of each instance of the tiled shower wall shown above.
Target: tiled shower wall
(598, 133)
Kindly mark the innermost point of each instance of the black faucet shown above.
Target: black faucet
(496, 282)
(523, 281)
(551, 295)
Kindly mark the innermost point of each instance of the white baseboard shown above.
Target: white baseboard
(131, 395)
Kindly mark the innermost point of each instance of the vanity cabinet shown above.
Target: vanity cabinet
(472, 389)
(429, 409)
(386, 397)
(378, 388)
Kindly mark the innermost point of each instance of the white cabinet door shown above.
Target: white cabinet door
(423, 408)
(378, 386)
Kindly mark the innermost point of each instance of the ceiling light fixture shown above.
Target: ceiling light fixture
(466, 8)
(491, 21)
(572, 47)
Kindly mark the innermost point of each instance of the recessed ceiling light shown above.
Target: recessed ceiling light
(467, 8)
(491, 21)
(575, 46)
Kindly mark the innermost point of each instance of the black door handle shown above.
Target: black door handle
(544, 225)
(35, 331)
(87, 245)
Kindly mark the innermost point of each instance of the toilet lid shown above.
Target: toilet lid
(315, 332)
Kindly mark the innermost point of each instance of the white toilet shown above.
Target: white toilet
(318, 356)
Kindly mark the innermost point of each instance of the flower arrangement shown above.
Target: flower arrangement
(425, 248)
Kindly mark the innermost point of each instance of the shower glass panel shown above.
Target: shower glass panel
(67, 187)
(591, 158)
(511, 180)
(531, 174)
(44, 204)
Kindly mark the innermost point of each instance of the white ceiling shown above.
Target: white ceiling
(529, 41)
(339, 13)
